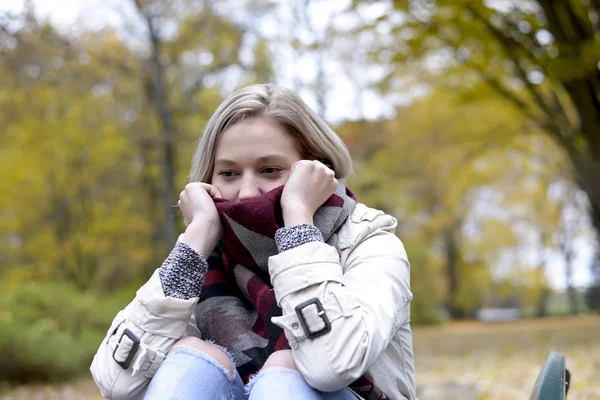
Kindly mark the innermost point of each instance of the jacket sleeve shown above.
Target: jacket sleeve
(365, 303)
(141, 335)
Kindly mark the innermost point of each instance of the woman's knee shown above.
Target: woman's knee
(210, 350)
(281, 358)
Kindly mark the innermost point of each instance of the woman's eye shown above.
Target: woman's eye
(271, 170)
(226, 174)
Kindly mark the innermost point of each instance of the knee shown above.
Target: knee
(214, 352)
(281, 358)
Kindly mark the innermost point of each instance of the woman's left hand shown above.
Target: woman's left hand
(309, 185)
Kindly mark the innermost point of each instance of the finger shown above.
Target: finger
(299, 163)
(211, 190)
(205, 186)
(214, 192)
(323, 165)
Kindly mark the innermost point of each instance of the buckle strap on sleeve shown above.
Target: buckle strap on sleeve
(127, 345)
(312, 318)
(313, 314)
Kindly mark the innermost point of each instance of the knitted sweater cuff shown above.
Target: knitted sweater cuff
(293, 236)
(183, 272)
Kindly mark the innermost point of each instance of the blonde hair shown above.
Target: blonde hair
(315, 139)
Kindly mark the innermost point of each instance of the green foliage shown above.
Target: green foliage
(426, 286)
(51, 331)
(84, 194)
(430, 166)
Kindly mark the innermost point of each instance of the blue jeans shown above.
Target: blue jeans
(187, 373)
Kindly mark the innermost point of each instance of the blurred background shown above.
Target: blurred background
(475, 123)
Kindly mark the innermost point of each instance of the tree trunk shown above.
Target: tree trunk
(452, 260)
(595, 268)
(573, 301)
(587, 176)
(570, 30)
(152, 188)
(571, 291)
(168, 150)
(163, 108)
(542, 309)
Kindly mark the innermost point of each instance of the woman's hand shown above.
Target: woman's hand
(198, 208)
(310, 184)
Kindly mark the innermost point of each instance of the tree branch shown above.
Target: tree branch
(506, 42)
(554, 23)
(580, 31)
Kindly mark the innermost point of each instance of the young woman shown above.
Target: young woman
(281, 287)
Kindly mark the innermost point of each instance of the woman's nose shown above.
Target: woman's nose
(248, 190)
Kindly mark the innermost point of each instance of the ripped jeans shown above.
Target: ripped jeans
(187, 373)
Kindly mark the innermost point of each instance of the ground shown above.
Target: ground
(461, 360)
(472, 360)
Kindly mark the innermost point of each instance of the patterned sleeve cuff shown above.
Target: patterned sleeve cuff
(293, 236)
(183, 272)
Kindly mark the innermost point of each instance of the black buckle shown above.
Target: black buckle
(136, 344)
(320, 312)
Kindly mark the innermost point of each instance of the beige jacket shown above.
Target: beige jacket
(365, 293)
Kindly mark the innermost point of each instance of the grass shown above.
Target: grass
(78, 390)
(461, 360)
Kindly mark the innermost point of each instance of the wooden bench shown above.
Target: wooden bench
(554, 379)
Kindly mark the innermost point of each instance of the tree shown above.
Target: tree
(195, 29)
(592, 297)
(422, 168)
(540, 56)
(164, 111)
(473, 197)
(65, 215)
(84, 197)
(186, 54)
(572, 226)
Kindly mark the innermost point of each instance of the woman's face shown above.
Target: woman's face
(253, 157)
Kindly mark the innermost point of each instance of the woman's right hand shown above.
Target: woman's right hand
(198, 208)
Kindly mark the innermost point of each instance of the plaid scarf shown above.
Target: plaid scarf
(237, 300)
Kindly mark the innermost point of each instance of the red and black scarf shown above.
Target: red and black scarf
(237, 300)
